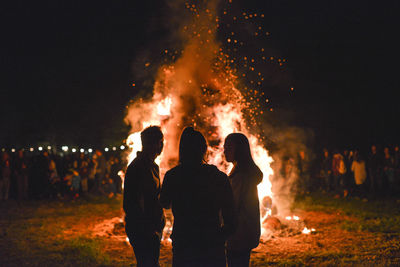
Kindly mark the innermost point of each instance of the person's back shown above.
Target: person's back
(196, 195)
(360, 173)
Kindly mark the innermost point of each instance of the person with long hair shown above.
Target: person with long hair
(198, 194)
(244, 178)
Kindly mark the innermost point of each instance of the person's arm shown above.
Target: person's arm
(165, 195)
(133, 203)
(227, 208)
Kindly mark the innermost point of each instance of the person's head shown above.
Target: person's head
(152, 140)
(237, 148)
(373, 149)
(326, 153)
(356, 155)
(386, 151)
(192, 146)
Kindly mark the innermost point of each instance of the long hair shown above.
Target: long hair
(192, 146)
(242, 147)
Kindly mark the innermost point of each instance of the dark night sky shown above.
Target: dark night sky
(67, 67)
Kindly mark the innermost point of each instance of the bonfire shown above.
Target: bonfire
(202, 87)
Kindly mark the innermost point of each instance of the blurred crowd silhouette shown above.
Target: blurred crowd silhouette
(46, 175)
(375, 173)
(25, 175)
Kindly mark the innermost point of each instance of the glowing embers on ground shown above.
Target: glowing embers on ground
(308, 231)
(277, 226)
(294, 217)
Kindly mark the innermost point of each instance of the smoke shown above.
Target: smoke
(206, 92)
(288, 142)
(196, 70)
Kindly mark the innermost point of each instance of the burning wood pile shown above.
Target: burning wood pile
(202, 87)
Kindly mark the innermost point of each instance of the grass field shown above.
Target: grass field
(82, 233)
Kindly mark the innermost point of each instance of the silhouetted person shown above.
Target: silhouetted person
(338, 171)
(198, 193)
(21, 173)
(374, 170)
(5, 176)
(388, 182)
(326, 171)
(304, 168)
(40, 177)
(144, 218)
(244, 178)
(396, 157)
(101, 170)
(360, 173)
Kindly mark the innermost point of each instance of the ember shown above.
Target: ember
(201, 88)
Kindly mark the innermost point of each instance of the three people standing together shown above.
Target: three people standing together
(213, 212)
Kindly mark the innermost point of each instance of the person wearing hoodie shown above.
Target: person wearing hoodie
(198, 194)
(244, 178)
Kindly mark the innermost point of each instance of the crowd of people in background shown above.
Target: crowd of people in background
(372, 174)
(46, 175)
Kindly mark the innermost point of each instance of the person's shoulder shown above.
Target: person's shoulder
(137, 163)
(174, 171)
(212, 169)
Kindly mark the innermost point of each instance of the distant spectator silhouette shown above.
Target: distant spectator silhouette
(5, 176)
(326, 171)
(198, 193)
(21, 172)
(144, 218)
(338, 171)
(244, 178)
(388, 172)
(304, 168)
(360, 173)
(374, 170)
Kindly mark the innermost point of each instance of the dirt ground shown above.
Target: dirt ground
(328, 245)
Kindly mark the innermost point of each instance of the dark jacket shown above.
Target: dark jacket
(143, 212)
(244, 181)
(198, 194)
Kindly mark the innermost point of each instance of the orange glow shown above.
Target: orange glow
(201, 89)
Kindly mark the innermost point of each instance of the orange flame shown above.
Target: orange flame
(199, 89)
